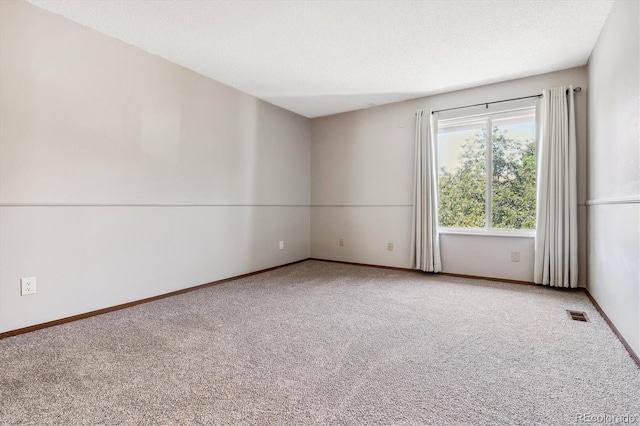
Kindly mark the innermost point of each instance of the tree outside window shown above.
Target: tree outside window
(469, 197)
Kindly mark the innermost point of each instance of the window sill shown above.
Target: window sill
(529, 233)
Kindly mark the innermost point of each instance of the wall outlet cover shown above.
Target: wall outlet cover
(27, 286)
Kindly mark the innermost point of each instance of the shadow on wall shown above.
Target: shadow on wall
(269, 154)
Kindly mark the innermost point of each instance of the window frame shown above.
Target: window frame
(488, 117)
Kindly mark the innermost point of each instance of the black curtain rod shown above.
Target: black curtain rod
(576, 90)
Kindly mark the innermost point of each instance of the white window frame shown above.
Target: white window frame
(454, 120)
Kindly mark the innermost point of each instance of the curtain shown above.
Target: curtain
(556, 244)
(425, 244)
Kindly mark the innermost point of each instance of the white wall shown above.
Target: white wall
(614, 170)
(362, 182)
(123, 176)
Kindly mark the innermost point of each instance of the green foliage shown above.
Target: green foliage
(462, 194)
(513, 184)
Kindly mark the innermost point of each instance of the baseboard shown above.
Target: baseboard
(370, 265)
(78, 317)
(500, 280)
(395, 268)
(85, 315)
(134, 303)
(613, 328)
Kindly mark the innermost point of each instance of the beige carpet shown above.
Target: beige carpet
(326, 343)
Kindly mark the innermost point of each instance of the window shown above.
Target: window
(488, 183)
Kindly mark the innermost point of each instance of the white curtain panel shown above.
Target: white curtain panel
(556, 246)
(425, 241)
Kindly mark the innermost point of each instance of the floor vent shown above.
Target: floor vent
(578, 316)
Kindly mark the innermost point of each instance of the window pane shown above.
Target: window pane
(513, 182)
(462, 176)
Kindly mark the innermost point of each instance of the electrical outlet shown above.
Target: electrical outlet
(281, 245)
(390, 246)
(27, 286)
(341, 242)
(515, 256)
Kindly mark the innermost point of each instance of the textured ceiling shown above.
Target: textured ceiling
(322, 57)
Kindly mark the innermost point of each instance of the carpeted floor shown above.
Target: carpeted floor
(326, 343)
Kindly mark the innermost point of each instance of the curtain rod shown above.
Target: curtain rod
(576, 90)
